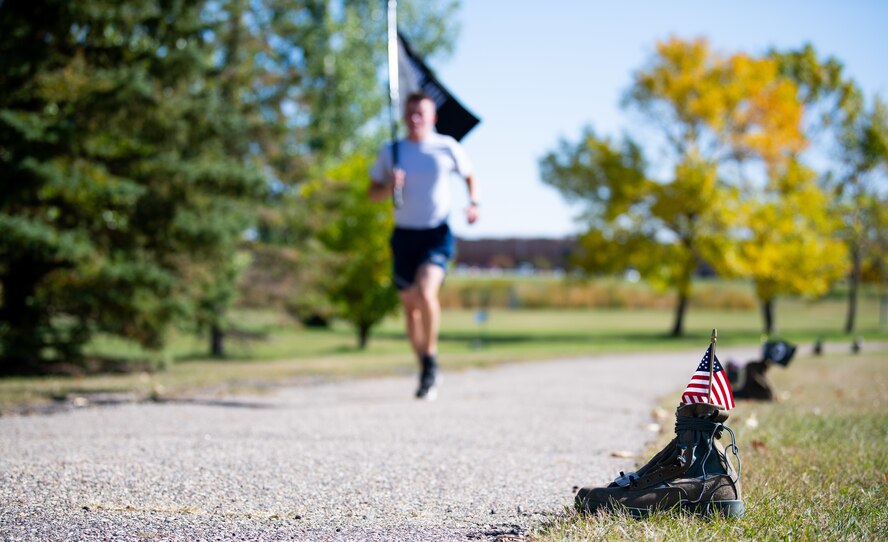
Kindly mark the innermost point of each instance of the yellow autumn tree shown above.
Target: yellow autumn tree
(790, 246)
(721, 121)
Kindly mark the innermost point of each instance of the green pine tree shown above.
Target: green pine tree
(122, 173)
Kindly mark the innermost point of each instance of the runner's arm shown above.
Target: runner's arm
(380, 190)
(472, 211)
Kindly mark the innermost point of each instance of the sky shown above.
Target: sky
(537, 71)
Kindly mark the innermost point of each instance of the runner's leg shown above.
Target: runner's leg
(428, 281)
(413, 319)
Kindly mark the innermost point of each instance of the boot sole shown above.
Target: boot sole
(727, 509)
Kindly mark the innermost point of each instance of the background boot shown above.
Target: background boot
(756, 384)
(692, 471)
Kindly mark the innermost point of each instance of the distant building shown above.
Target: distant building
(538, 254)
(514, 253)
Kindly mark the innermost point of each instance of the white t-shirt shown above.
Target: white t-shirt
(428, 166)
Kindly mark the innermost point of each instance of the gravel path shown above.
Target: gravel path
(500, 451)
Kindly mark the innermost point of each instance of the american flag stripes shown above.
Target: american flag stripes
(697, 390)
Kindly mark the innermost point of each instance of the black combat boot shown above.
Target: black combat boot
(692, 471)
(752, 382)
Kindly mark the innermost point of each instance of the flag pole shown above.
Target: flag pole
(394, 91)
(712, 340)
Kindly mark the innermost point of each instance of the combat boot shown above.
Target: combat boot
(692, 472)
(754, 384)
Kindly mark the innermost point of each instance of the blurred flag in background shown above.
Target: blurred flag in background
(414, 76)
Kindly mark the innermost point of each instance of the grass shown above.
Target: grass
(528, 334)
(290, 352)
(815, 464)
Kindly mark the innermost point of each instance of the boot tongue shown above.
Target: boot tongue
(703, 410)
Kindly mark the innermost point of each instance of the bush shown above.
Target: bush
(556, 293)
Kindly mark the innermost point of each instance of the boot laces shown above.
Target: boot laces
(689, 423)
(714, 429)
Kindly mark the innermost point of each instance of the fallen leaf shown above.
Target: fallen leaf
(622, 453)
(759, 446)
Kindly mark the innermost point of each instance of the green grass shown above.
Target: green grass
(528, 334)
(291, 352)
(815, 465)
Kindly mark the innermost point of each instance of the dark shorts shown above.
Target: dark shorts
(413, 248)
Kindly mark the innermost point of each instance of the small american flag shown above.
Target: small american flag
(698, 388)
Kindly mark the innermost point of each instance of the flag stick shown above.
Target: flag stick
(712, 341)
(394, 92)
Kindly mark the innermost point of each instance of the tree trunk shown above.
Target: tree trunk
(217, 341)
(768, 315)
(24, 320)
(883, 310)
(853, 287)
(678, 328)
(363, 335)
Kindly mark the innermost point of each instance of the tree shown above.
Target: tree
(789, 244)
(631, 215)
(215, 290)
(323, 104)
(115, 150)
(875, 268)
(307, 74)
(848, 150)
(358, 284)
(714, 115)
(862, 196)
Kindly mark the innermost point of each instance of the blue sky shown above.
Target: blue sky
(538, 71)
